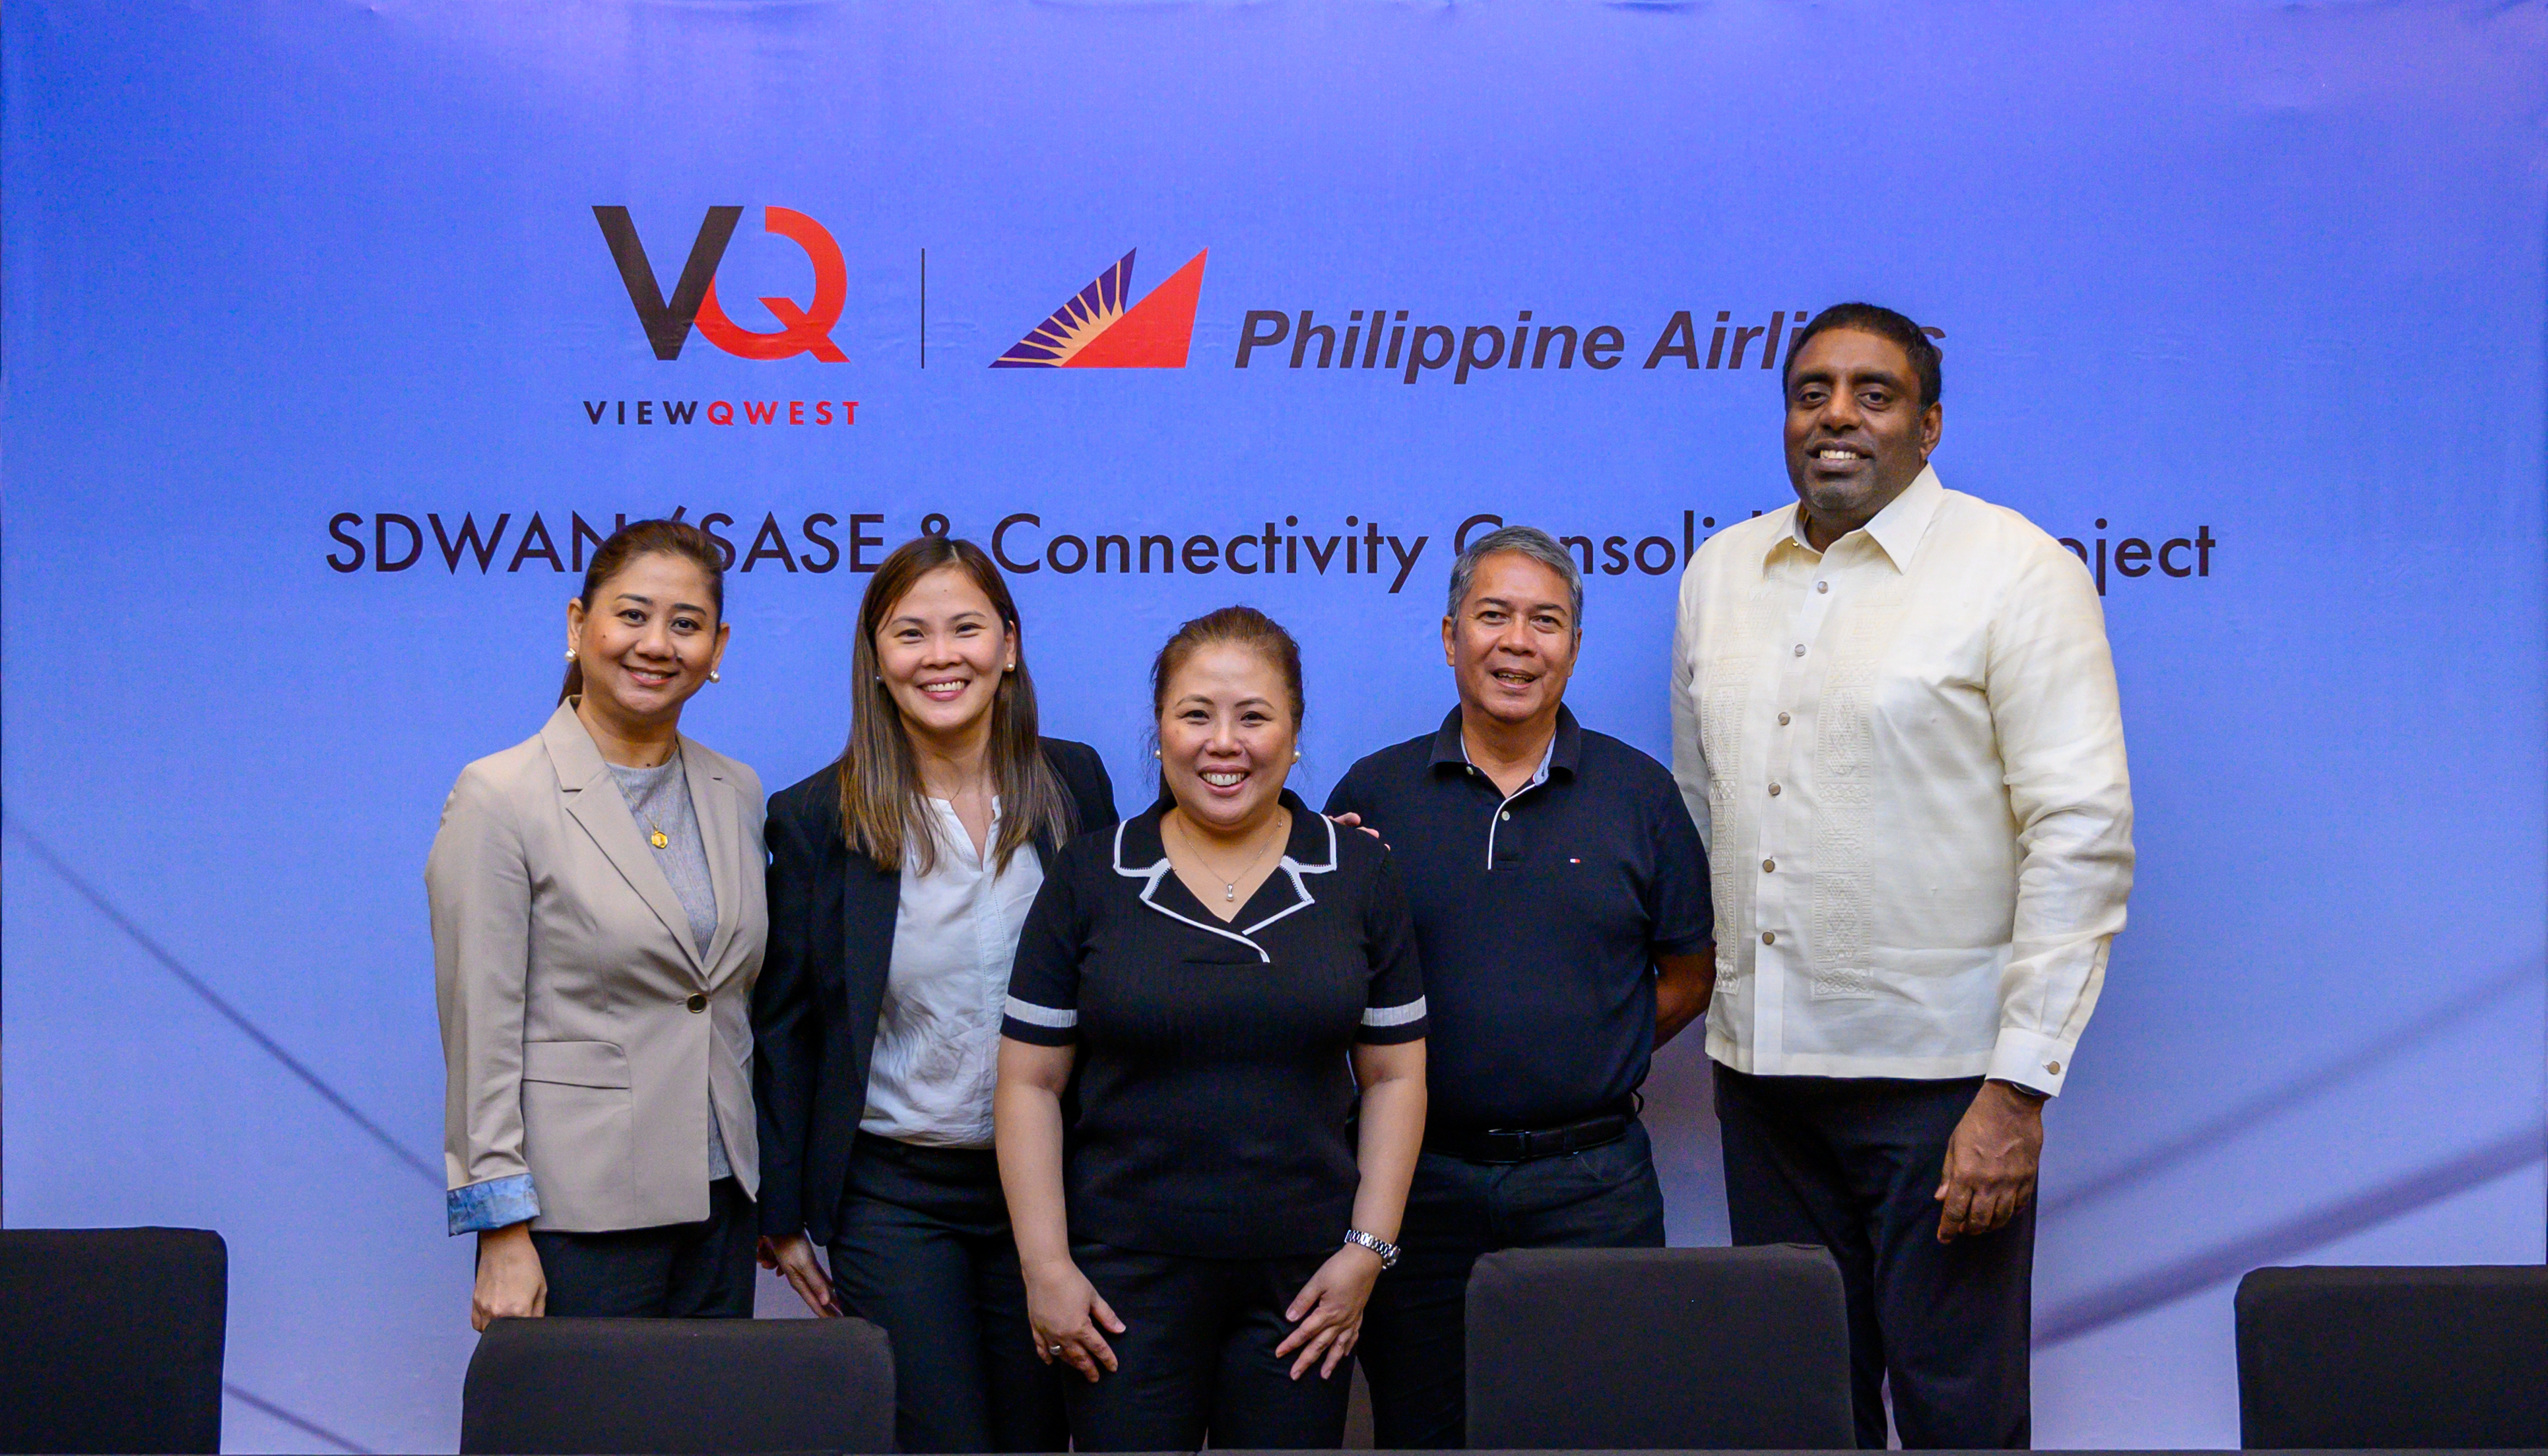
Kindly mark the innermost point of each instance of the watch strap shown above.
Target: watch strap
(1387, 1251)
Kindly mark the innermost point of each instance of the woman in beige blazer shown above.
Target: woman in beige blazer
(598, 917)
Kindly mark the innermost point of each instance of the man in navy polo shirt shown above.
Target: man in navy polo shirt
(1562, 914)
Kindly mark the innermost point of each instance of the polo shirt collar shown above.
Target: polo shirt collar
(1565, 746)
(1896, 530)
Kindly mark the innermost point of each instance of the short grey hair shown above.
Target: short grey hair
(1529, 541)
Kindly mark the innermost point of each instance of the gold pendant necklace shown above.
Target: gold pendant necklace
(659, 839)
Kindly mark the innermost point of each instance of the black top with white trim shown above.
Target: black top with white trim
(1539, 916)
(1216, 1096)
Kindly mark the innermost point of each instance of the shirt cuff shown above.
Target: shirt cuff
(1039, 1025)
(2031, 1059)
(1389, 1026)
(498, 1203)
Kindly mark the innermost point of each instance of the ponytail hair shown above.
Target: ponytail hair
(647, 538)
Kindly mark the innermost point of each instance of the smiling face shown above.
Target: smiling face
(943, 651)
(1857, 432)
(1512, 645)
(1226, 732)
(649, 641)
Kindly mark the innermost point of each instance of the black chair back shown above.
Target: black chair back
(2394, 1358)
(661, 1386)
(113, 1339)
(1686, 1349)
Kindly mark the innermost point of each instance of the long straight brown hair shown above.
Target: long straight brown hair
(885, 813)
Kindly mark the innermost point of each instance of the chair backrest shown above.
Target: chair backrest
(2394, 1358)
(1683, 1349)
(113, 1339)
(655, 1387)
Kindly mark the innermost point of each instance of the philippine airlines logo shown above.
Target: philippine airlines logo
(805, 328)
(1095, 330)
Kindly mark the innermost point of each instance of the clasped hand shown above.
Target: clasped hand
(1070, 1319)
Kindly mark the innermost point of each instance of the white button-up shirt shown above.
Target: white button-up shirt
(938, 1035)
(1906, 758)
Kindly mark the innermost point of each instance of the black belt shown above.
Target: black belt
(1526, 1145)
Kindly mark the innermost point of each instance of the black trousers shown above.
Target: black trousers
(923, 1250)
(701, 1270)
(1415, 1337)
(1852, 1163)
(1195, 1357)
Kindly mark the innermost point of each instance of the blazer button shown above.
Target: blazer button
(697, 1002)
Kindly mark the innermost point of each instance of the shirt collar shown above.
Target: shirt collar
(1451, 747)
(1140, 853)
(1896, 529)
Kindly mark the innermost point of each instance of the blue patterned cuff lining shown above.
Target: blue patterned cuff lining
(493, 1204)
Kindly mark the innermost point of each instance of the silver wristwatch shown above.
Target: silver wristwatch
(1387, 1251)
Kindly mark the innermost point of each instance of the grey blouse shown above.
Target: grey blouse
(659, 799)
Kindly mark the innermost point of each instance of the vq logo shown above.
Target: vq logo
(808, 328)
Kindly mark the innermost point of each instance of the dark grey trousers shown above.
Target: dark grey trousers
(701, 1270)
(1416, 1334)
(1852, 1163)
(1197, 1357)
(922, 1247)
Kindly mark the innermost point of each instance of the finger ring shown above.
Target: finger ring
(1056, 1350)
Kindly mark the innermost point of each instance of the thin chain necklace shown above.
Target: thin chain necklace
(1229, 884)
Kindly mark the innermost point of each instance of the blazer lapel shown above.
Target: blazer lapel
(585, 782)
(712, 798)
(870, 904)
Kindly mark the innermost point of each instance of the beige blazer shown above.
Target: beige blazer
(582, 1034)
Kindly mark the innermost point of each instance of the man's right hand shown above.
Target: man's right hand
(793, 1257)
(1354, 821)
(510, 1285)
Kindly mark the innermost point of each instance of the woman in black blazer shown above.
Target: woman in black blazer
(900, 877)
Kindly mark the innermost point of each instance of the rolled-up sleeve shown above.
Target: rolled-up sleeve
(478, 884)
(2056, 710)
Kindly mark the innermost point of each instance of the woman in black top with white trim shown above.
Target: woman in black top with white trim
(1234, 982)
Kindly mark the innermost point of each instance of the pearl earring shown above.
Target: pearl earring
(570, 654)
(712, 676)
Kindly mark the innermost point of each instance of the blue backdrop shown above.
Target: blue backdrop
(288, 282)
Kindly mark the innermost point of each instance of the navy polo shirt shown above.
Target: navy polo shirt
(1538, 917)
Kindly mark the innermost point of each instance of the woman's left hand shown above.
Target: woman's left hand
(1326, 1313)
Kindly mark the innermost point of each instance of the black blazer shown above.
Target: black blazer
(822, 986)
